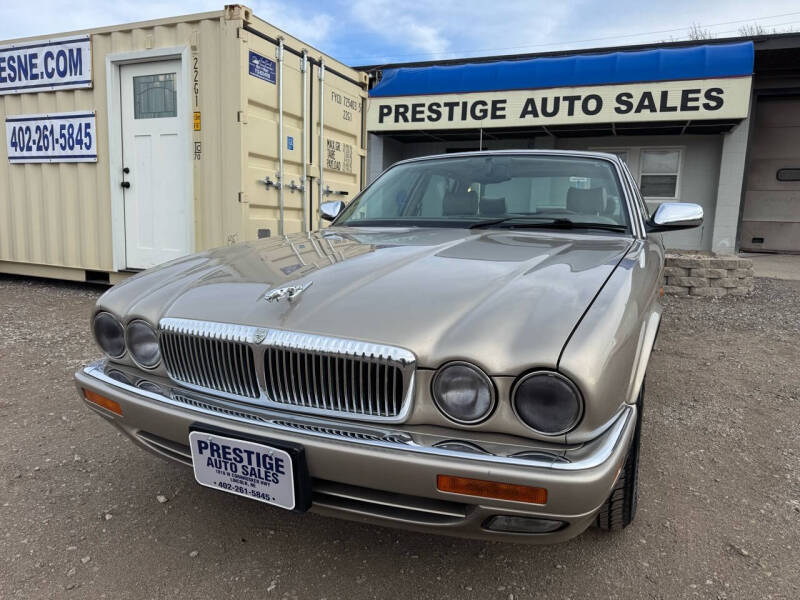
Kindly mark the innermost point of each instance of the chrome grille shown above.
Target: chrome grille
(333, 383)
(219, 359)
(295, 371)
(355, 435)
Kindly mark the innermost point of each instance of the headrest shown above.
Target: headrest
(492, 207)
(586, 202)
(459, 204)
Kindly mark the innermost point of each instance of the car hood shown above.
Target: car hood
(506, 300)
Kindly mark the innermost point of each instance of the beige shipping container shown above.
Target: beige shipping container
(210, 129)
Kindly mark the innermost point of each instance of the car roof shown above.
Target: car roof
(573, 153)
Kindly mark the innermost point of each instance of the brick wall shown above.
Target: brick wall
(710, 276)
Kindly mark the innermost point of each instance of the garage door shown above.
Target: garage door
(771, 216)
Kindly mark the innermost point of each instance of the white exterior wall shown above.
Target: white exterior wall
(698, 180)
(729, 189)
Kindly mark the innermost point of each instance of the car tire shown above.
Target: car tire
(620, 508)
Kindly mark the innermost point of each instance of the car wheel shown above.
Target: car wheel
(620, 508)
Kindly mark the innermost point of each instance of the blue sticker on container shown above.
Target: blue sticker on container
(290, 142)
(261, 67)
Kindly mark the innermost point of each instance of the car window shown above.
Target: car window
(459, 191)
(388, 200)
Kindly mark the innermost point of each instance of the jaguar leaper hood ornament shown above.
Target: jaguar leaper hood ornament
(289, 292)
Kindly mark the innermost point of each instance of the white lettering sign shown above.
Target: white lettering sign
(619, 103)
(62, 137)
(46, 65)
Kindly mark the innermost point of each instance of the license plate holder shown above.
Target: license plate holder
(276, 472)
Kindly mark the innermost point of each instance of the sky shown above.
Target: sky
(362, 32)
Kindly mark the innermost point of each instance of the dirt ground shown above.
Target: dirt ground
(719, 512)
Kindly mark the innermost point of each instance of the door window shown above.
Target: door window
(154, 96)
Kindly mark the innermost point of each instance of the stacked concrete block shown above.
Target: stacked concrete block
(707, 276)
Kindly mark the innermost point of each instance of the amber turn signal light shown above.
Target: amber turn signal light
(491, 489)
(106, 403)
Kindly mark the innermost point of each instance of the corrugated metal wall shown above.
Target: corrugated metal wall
(56, 214)
(60, 215)
(343, 151)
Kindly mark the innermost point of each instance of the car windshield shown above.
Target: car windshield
(494, 191)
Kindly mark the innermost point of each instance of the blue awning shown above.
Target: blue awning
(662, 64)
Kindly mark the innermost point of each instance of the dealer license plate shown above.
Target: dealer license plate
(242, 467)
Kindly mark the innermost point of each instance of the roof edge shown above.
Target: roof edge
(757, 40)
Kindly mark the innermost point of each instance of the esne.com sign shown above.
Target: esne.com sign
(46, 65)
(725, 98)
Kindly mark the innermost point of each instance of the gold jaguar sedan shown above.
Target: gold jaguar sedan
(463, 351)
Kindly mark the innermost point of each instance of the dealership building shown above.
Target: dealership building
(716, 123)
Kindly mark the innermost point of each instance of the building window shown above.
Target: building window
(658, 173)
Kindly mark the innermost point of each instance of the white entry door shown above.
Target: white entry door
(155, 161)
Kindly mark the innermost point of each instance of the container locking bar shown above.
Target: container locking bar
(279, 57)
(305, 199)
(321, 136)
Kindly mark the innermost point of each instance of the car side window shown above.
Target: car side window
(391, 200)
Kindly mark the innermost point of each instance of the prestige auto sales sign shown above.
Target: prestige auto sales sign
(724, 98)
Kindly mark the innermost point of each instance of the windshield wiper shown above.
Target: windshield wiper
(545, 223)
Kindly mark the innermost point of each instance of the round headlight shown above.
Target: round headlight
(142, 343)
(463, 393)
(547, 402)
(109, 334)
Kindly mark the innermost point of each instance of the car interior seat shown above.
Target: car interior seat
(492, 207)
(586, 202)
(460, 204)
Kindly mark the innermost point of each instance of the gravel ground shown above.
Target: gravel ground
(719, 512)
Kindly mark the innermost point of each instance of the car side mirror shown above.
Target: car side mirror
(330, 210)
(672, 216)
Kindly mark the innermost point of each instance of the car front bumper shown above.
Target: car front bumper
(383, 475)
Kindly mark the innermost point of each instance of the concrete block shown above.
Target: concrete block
(688, 281)
(724, 263)
(710, 273)
(741, 272)
(687, 262)
(675, 272)
(676, 290)
(711, 292)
